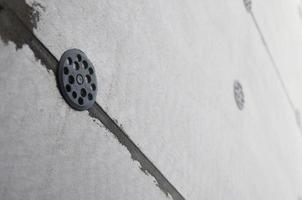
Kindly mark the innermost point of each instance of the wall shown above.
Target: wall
(166, 72)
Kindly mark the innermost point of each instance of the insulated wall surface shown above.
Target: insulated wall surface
(166, 72)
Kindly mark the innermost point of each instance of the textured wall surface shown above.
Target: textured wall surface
(166, 72)
(49, 151)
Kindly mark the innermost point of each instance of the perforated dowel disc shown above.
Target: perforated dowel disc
(77, 80)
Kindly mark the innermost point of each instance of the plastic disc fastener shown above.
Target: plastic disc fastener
(77, 79)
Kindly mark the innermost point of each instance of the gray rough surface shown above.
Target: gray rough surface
(281, 24)
(49, 151)
(166, 71)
